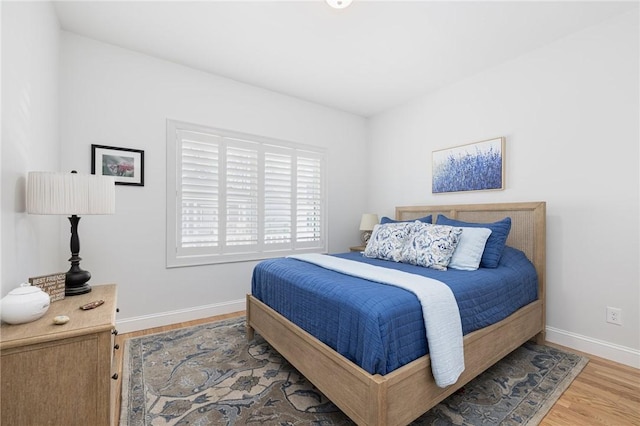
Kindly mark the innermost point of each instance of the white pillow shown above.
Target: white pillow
(468, 252)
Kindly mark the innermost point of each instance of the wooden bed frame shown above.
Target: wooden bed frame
(401, 396)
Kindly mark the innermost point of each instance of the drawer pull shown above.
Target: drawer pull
(116, 346)
(115, 376)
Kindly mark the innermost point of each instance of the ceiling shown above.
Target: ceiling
(364, 59)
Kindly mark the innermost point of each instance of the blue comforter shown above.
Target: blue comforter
(380, 327)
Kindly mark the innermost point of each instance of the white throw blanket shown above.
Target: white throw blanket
(439, 309)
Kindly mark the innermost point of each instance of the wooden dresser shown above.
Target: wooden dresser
(61, 374)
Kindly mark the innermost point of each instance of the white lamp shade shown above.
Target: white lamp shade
(70, 194)
(368, 221)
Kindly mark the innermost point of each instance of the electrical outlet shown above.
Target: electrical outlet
(614, 315)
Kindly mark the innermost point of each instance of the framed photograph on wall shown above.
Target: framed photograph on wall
(477, 166)
(124, 164)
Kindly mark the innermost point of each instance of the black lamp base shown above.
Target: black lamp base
(75, 291)
(76, 281)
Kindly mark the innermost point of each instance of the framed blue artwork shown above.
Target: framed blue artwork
(477, 166)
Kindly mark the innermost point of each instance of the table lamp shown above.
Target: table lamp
(368, 221)
(71, 194)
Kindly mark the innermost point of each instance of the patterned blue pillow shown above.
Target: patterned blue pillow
(495, 244)
(426, 219)
(387, 240)
(431, 245)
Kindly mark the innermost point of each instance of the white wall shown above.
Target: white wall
(30, 39)
(116, 97)
(570, 114)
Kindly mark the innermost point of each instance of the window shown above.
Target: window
(234, 197)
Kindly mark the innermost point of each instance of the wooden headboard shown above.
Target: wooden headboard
(528, 226)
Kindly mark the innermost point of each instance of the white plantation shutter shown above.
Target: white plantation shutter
(241, 194)
(199, 202)
(278, 198)
(232, 196)
(309, 211)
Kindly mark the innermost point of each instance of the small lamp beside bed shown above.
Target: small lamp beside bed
(367, 223)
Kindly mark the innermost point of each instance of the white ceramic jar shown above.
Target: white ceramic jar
(24, 304)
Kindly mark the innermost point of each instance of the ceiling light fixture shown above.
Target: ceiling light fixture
(339, 4)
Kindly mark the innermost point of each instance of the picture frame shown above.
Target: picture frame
(126, 165)
(477, 166)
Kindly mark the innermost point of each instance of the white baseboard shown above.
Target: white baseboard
(611, 351)
(173, 317)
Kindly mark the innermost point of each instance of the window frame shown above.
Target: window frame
(177, 256)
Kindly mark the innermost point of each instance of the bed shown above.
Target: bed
(402, 395)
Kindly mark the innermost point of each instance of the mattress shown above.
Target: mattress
(380, 327)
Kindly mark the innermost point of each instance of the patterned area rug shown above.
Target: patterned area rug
(210, 375)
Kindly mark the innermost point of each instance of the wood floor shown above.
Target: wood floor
(604, 393)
